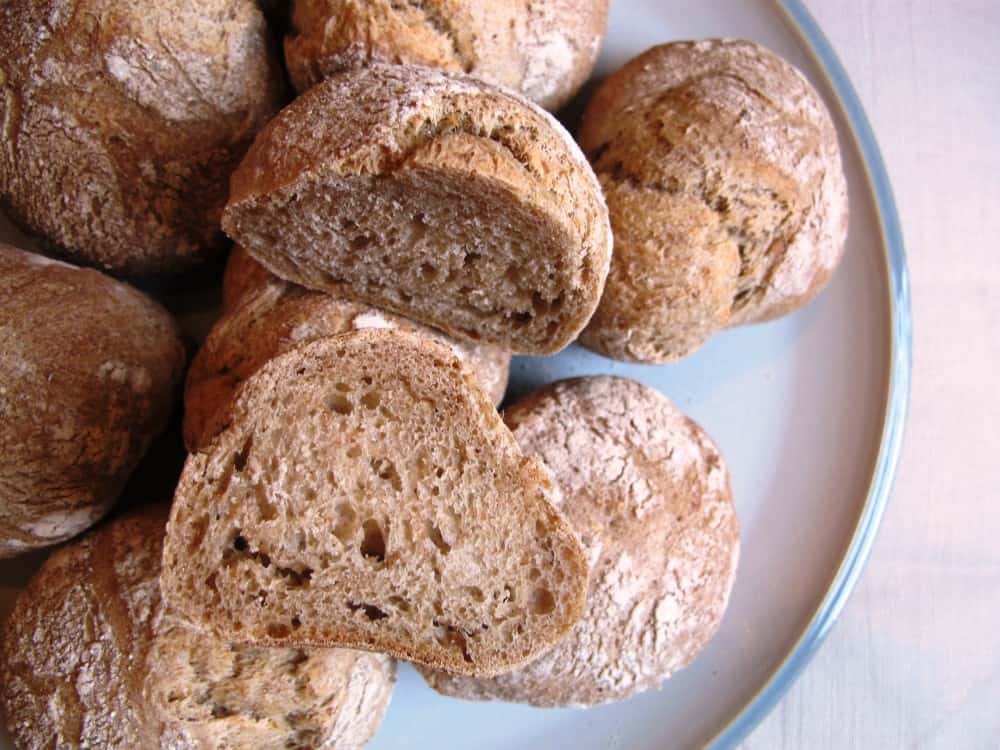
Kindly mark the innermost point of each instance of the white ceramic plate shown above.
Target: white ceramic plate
(808, 411)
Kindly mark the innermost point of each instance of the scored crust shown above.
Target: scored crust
(722, 172)
(275, 316)
(366, 494)
(432, 195)
(89, 369)
(544, 50)
(122, 122)
(649, 495)
(89, 658)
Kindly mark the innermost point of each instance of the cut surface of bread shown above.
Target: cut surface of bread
(649, 495)
(433, 195)
(366, 494)
(276, 315)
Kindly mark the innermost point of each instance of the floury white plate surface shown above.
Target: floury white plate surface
(808, 411)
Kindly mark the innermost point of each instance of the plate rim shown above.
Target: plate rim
(897, 399)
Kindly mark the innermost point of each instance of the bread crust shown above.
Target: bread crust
(418, 131)
(89, 658)
(379, 435)
(649, 495)
(88, 377)
(722, 172)
(276, 316)
(122, 122)
(544, 51)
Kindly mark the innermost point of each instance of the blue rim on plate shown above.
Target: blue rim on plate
(897, 401)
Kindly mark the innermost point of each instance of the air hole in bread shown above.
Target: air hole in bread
(221, 712)
(399, 603)
(521, 319)
(339, 403)
(240, 544)
(371, 399)
(278, 630)
(428, 272)
(541, 529)
(534, 574)
(241, 458)
(434, 534)
(509, 594)
(452, 637)
(353, 450)
(361, 241)
(296, 623)
(385, 469)
(347, 523)
(470, 259)
(372, 612)
(475, 592)
(373, 543)
(541, 602)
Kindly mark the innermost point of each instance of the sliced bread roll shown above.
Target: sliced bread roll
(90, 659)
(278, 316)
(367, 494)
(432, 195)
(544, 50)
(649, 495)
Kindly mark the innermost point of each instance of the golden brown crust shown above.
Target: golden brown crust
(274, 316)
(243, 276)
(649, 495)
(88, 377)
(722, 172)
(509, 244)
(544, 50)
(72, 648)
(90, 659)
(122, 121)
(367, 495)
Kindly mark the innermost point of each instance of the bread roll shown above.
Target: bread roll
(723, 176)
(367, 495)
(122, 122)
(88, 376)
(281, 316)
(243, 276)
(544, 50)
(431, 195)
(89, 659)
(649, 495)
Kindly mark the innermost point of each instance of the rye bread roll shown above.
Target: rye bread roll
(432, 195)
(649, 495)
(366, 494)
(277, 316)
(242, 276)
(88, 376)
(723, 177)
(543, 50)
(90, 659)
(123, 121)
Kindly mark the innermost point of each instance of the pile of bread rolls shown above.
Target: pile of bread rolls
(402, 226)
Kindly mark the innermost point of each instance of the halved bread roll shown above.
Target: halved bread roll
(280, 316)
(366, 494)
(649, 495)
(432, 195)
